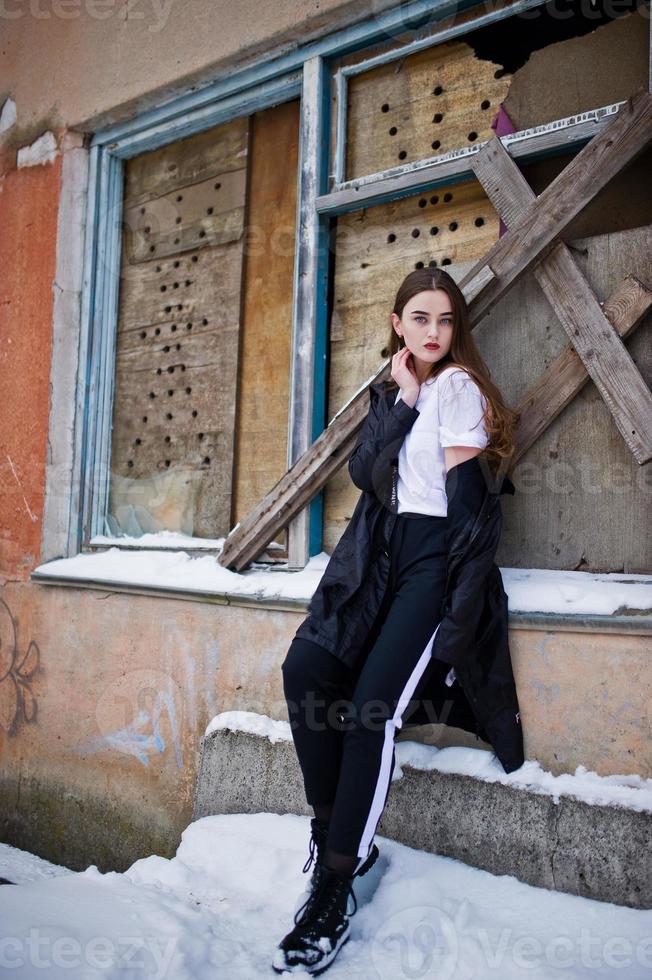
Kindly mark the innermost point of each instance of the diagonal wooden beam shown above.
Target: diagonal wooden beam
(625, 308)
(296, 488)
(595, 339)
(534, 232)
(623, 138)
(603, 353)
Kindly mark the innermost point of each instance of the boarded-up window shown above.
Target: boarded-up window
(437, 100)
(446, 97)
(185, 291)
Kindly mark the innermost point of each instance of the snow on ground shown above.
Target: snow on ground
(20, 866)
(218, 908)
(528, 589)
(626, 790)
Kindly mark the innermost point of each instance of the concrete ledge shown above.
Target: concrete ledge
(599, 852)
(630, 621)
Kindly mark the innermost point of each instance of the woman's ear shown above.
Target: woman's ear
(395, 323)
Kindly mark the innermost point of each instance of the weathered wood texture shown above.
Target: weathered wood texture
(535, 231)
(621, 48)
(264, 384)
(178, 335)
(375, 249)
(583, 501)
(595, 339)
(625, 309)
(433, 101)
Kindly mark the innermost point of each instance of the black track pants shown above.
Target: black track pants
(344, 720)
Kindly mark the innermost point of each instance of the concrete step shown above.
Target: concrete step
(597, 851)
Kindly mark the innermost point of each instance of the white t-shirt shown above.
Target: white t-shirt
(450, 414)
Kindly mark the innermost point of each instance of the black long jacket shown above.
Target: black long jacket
(472, 635)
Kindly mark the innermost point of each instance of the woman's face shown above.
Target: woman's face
(427, 320)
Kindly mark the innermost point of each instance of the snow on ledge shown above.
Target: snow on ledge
(252, 723)
(630, 791)
(528, 589)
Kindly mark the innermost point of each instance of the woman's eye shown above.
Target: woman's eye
(420, 318)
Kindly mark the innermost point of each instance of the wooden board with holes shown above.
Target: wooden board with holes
(376, 248)
(187, 162)
(264, 380)
(436, 100)
(178, 335)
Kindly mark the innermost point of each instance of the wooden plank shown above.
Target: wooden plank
(594, 338)
(535, 232)
(186, 162)
(210, 212)
(625, 308)
(602, 351)
(388, 51)
(296, 488)
(562, 135)
(431, 102)
(265, 354)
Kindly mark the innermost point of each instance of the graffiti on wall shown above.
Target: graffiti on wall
(17, 700)
(137, 716)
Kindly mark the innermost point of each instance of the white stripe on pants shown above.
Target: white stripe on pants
(391, 726)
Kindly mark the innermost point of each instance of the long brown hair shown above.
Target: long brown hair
(499, 418)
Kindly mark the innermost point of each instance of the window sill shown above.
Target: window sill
(538, 598)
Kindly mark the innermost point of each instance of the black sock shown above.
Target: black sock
(342, 863)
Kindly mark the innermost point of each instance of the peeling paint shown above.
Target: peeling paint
(8, 115)
(42, 150)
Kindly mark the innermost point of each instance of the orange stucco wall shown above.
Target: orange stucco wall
(29, 201)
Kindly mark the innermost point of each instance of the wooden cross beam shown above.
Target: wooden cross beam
(596, 340)
(627, 305)
(533, 232)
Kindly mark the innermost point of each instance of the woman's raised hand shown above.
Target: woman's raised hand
(404, 375)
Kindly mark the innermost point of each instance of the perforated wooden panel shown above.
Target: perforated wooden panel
(434, 101)
(178, 335)
(375, 249)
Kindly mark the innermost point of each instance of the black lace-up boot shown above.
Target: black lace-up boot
(318, 836)
(321, 925)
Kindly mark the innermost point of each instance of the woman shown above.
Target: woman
(347, 702)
